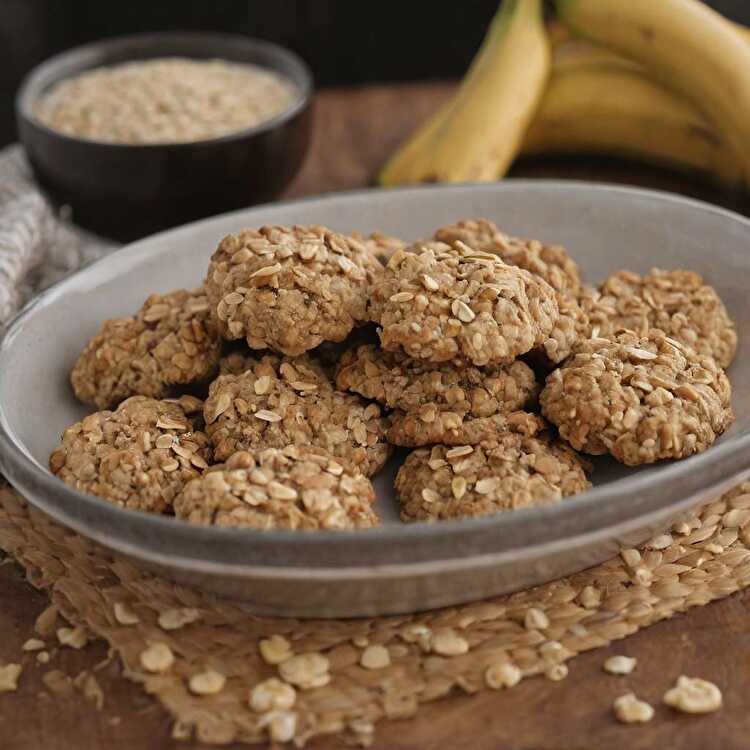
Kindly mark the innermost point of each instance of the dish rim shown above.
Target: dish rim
(34, 84)
(690, 476)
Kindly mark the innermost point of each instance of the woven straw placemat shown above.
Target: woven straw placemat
(705, 556)
(416, 659)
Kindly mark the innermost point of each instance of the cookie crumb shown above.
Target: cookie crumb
(630, 710)
(375, 657)
(73, 637)
(125, 615)
(692, 695)
(209, 682)
(9, 674)
(502, 675)
(620, 664)
(306, 671)
(33, 644)
(173, 619)
(272, 695)
(158, 657)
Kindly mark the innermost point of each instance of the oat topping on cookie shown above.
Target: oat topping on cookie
(170, 341)
(282, 401)
(292, 488)
(507, 472)
(642, 399)
(289, 288)
(443, 302)
(382, 246)
(437, 403)
(139, 456)
(551, 262)
(678, 303)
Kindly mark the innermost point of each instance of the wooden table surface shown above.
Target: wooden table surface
(355, 130)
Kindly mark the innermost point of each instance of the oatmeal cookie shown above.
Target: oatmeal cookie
(642, 399)
(139, 456)
(437, 403)
(170, 341)
(507, 472)
(444, 303)
(291, 488)
(678, 303)
(282, 401)
(551, 262)
(289, 288)
(382, 246)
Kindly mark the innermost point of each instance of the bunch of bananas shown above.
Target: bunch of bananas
(664, 81)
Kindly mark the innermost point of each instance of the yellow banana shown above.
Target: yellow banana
(599, 106)
(477, 134)
(686, 45)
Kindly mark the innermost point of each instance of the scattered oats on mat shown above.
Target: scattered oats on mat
(9, 674)
(281, 725)
(73, 637)
(92, 690)
(556, 672)
(620, 664)
(535, 619)
(375, 657)
(158, 657)
(446, 642)
(630, 710)
(692, 695)
(272, 695)
(46, 621)
(306, 671)
(502, 675)
(33, 644)
(275, 649)
(173, 619)
(125, 615)
(43, 657)
(209, 682)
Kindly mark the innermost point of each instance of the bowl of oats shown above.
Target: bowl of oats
(388, 401)
(140, 133)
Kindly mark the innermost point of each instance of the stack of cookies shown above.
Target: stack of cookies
(269, 397)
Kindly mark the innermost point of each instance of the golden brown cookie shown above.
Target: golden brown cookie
(642, 399)
(550, 262)
(282, 401)
(676, 302)
(292, 488)
(170, 341)
(437, 403)
(139, 456)
(443, 303)
(289, 288)
(507, 472)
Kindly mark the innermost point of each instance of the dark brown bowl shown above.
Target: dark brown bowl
(129, 191)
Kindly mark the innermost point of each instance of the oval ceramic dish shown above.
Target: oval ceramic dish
(397, 567)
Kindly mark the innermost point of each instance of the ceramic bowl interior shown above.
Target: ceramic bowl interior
(605, 229)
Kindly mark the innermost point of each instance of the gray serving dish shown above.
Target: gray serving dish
(395, 568)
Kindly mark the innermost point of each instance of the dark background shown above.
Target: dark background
(344, 41)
